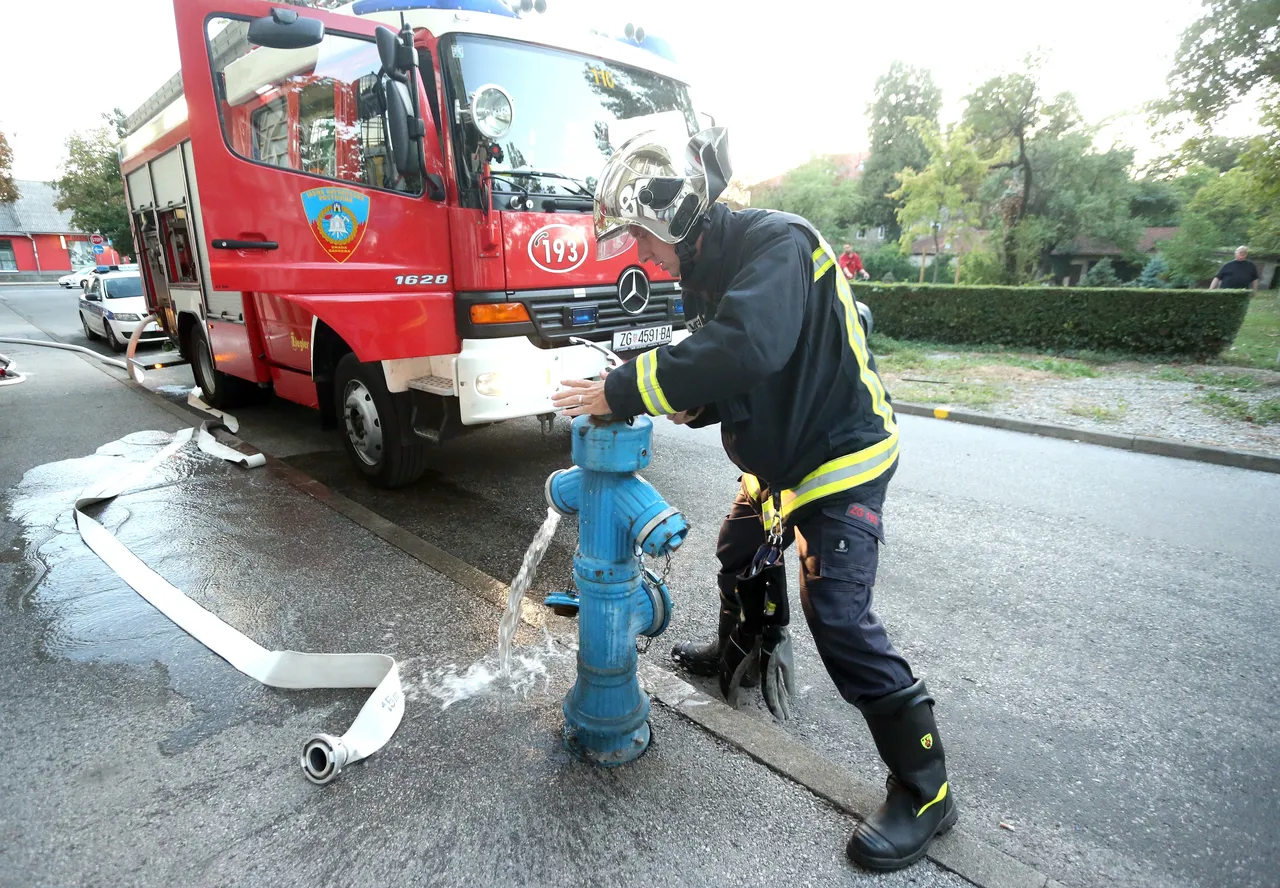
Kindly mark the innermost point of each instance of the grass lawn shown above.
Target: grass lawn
(1258, 343)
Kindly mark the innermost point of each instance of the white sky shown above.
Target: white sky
(789, 78)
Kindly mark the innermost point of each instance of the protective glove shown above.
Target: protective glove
(741, 655)
(776, 670)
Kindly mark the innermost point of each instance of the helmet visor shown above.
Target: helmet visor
(614, 243)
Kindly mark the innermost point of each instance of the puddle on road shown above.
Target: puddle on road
(85, 613)
(88, 612)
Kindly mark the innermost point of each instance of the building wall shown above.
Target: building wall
(22, 252)
(58, 254)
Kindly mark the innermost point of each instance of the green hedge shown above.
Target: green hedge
(1195, 323)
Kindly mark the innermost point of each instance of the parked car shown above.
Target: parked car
(112, 306)
(77, 277)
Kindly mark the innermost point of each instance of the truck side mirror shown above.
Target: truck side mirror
(404, 129)
(387, 44)
(285, 29)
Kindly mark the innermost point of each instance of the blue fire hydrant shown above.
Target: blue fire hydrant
(619, 516)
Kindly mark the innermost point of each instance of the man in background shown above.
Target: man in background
(1238, 274)
(851, 264)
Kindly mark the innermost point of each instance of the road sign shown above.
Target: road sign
(99, 249)
(96, 239)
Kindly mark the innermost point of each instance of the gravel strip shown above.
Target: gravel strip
(1128, 400)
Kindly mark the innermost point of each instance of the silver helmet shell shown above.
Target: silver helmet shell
(661, 183)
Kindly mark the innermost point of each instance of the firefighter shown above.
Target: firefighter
(778, 359)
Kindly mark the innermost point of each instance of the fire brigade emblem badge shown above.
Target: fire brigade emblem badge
(338, 218)
(927, 741)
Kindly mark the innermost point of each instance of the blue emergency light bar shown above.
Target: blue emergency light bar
(678, 306)
(583, 316)
(492, 7)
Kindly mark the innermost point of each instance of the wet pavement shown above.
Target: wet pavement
(1098, 626)
(137, 757)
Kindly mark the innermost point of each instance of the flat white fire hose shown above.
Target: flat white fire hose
(323, 756)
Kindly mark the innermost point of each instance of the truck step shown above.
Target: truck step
(436, 385)
(160, 364)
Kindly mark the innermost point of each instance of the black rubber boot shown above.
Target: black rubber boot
(919, 805)
(703, 657)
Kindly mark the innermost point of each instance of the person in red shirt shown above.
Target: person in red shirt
(851, 264)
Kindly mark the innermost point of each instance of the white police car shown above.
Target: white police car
(77, 278)
(112, 306)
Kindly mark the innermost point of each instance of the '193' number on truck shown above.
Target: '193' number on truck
(411, 280)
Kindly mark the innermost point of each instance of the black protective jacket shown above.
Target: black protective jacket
(777, 356)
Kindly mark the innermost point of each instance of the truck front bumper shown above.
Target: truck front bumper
(500, 379)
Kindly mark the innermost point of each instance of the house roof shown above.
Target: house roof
(1092, 246)
(964, 241)
(34, 211)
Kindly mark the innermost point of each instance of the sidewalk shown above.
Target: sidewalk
(140, 758)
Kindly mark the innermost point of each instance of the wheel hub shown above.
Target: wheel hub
(364, 427)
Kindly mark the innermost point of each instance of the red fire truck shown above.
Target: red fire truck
(387, 215)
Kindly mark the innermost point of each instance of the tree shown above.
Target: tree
(8, 189)
(941, 198)
(1082, 192)
(1224, 56)
(818, 191)
(1217, 219)
(903, 93)
(1101, 275)
(1003, 113)
(1155, 274)
(91, 186)
(1232, 53)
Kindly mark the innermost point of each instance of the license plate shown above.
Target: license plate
(645, 337)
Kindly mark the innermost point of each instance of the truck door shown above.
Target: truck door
(303, 211)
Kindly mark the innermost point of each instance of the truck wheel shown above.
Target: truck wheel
(372, 430)
(221, 390)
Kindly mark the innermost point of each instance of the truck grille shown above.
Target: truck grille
(553, 314)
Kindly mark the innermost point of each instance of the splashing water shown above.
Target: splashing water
(522, 672)
(520, 585)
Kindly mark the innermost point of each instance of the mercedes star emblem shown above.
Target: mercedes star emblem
(633, 291)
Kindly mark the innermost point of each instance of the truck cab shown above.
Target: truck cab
(387, 215)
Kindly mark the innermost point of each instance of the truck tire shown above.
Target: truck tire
(373, 431)
(221, 390)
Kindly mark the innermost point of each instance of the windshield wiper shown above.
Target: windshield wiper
(583, 190)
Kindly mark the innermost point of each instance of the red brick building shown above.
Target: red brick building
(37, 240)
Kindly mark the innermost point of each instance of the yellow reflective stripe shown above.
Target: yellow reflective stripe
(655, 401)
(852, 471)
(836, 476)
(819, 266)
(641, 373)
(653, 384)
(942, 794)
(858, 342)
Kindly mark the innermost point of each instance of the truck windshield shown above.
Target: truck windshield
(122, 287)
(571, 111)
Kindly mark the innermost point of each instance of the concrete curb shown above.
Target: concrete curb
(958, 851)
(1222, 456)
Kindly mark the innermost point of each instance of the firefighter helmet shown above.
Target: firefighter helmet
(661, 184)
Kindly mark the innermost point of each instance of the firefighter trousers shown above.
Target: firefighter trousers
(838, 548)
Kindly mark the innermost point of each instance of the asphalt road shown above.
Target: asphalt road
(1098, 626)
(136, 757)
